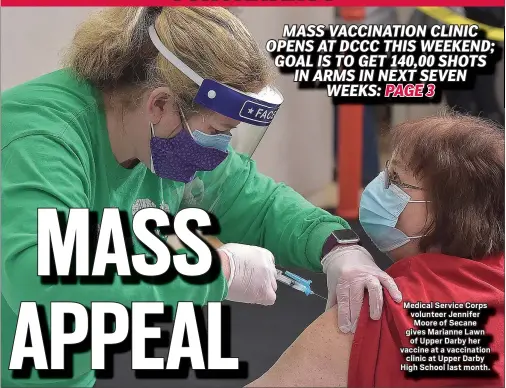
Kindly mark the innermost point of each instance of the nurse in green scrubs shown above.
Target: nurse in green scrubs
(162, 107)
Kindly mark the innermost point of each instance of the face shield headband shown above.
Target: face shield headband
(254, 111)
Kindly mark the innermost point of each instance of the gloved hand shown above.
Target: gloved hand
(252, 274)
(349, 271)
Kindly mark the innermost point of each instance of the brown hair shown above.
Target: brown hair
(112, 50)
(460, 159)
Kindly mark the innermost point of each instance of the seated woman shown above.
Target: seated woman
(438, 211)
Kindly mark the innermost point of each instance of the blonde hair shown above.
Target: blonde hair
(112, 50)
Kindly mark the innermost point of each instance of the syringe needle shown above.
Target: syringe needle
(314, 293)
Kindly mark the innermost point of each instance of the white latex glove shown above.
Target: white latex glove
(252, 274)
(350, 270)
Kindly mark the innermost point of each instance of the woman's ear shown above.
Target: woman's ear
(160, 103)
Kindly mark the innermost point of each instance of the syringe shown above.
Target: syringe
(296, 282)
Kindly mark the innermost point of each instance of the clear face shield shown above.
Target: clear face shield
(240, 119)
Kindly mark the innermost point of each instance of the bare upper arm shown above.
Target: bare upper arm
(319, 357)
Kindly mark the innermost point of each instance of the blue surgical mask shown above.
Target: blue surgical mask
(219, 141)
(380, 209)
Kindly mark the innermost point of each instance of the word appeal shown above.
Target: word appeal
(77, 239)
(448, 339)
(130, 326)
(384, 63)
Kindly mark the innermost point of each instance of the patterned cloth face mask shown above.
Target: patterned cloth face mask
(179, 158)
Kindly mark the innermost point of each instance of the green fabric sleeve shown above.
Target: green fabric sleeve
(253, 209)
(42, 171)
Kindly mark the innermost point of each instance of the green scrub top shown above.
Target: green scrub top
(56, 154)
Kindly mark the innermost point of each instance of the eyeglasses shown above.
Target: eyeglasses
(393, 178)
